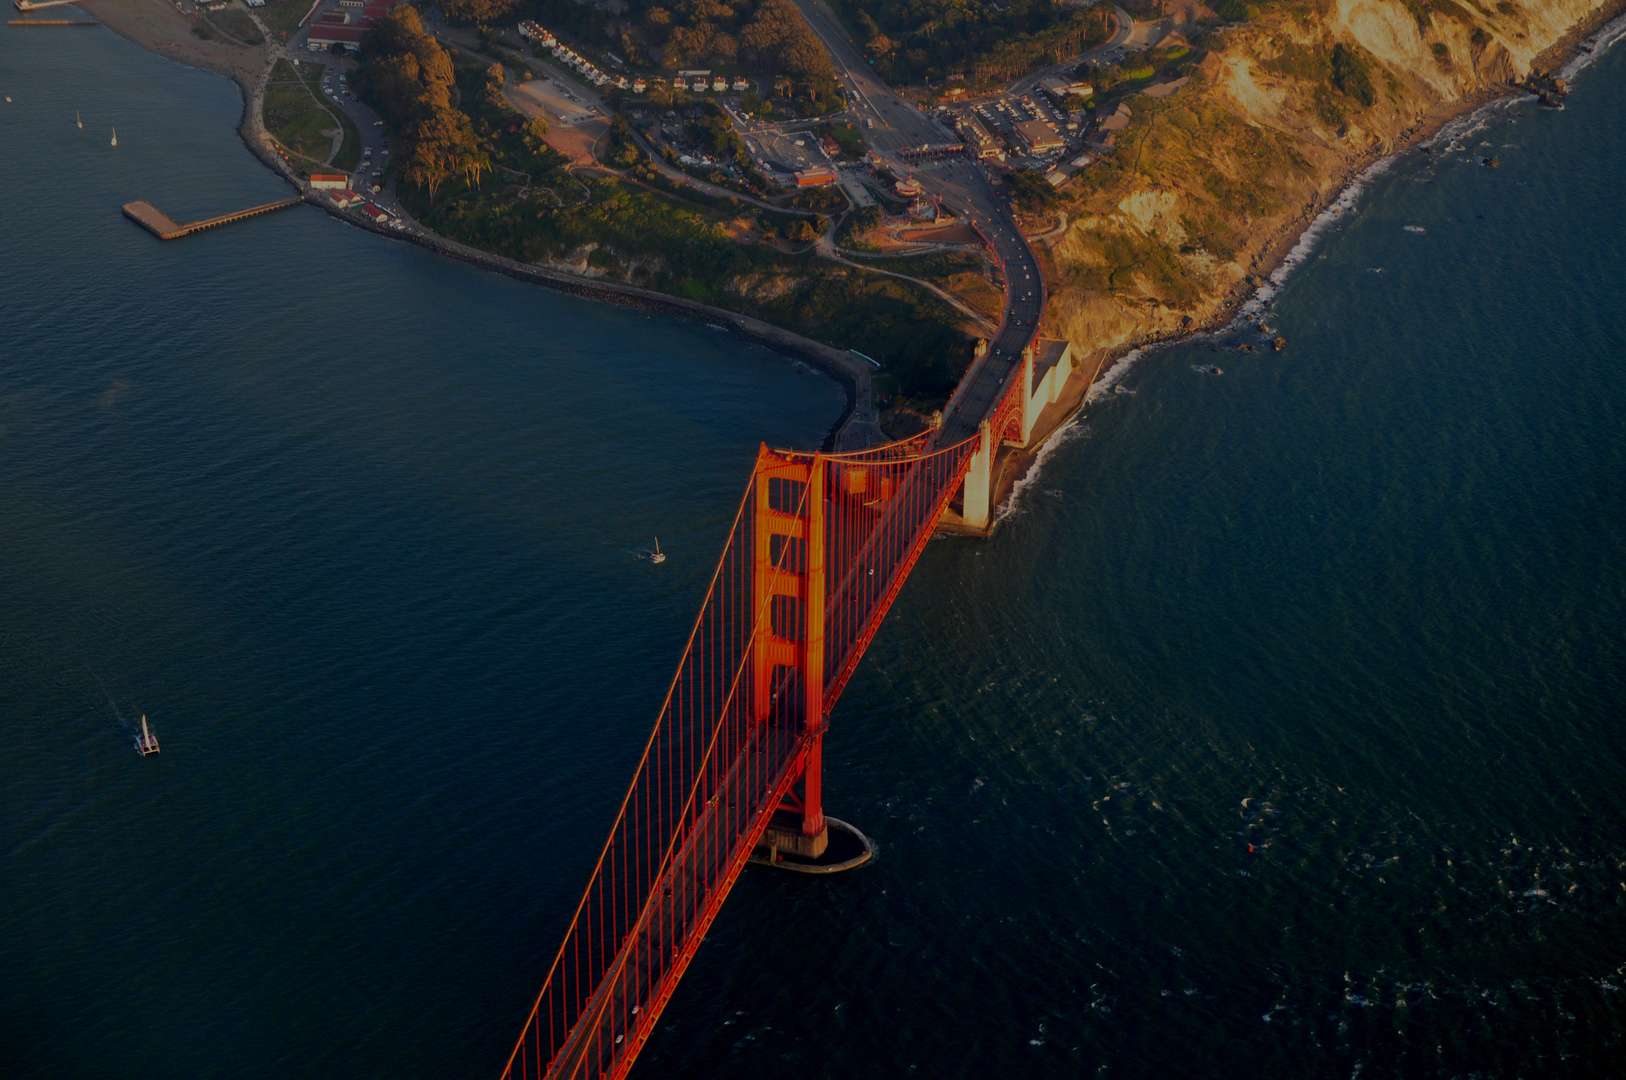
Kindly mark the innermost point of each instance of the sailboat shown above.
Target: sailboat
(115, 136)
(148, 743)
(657, 557)
(78, 121)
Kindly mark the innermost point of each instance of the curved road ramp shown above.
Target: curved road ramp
(165, 227)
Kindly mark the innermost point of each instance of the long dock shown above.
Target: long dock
(52, 22)
(165, 227)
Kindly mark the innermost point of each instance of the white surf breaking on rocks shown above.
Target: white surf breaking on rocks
(1072, 429)
(1114, 375)
(1340, 211)
(1608, 36)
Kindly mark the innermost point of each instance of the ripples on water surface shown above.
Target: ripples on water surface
(358, 528)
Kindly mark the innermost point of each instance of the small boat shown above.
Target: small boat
(657, 556)
(148, 743)
(115, 136)
(1207, 369)
(78, 121)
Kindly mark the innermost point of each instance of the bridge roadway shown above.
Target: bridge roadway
(754, 696)
(963, 187)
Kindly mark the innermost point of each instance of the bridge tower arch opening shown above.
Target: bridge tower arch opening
(787, 648)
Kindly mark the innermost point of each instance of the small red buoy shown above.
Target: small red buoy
(1250, 849)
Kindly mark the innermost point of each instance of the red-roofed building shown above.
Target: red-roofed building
(378, 216)
(329, 181)
(373, 12)
(814, 177)
(322, 35)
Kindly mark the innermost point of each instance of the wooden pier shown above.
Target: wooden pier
(165, 227)
(52, 22)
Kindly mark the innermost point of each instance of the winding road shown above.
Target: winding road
(964, 188)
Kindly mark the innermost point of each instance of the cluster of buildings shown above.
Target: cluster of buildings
(978, 140)
(346, 25)
(1060, 88)
(701, 81)
(1034, 137)
(339, 193)
(540, 37)
(697, 81)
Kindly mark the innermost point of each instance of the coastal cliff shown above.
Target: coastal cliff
(1207, 188)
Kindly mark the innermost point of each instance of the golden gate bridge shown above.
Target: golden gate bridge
(818, 550)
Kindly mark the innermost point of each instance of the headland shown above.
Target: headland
(1212, 143)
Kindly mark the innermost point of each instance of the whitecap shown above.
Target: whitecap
(1416, 229)
(1058, 438)
(1599, 43)
(1341, 207)
(1114, 373)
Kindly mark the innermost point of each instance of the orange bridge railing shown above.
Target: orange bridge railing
(820, 547)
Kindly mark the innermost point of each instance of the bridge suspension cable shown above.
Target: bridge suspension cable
(817, 552)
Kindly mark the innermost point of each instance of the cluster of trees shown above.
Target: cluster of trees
(768, 35)
(714, 131)
(1139, 66)
(661, 243)
(912, 40)
(1351, 74)
(408, 78)
(1030, 192)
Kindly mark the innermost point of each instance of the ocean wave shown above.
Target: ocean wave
(1338, 210)
(1601, 42)
(1058, 438)
(1114, 373)
(1072, 429)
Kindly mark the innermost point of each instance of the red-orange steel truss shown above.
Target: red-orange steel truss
(819, 549)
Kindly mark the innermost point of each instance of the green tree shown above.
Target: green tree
(1350, 74)
(1030, 191)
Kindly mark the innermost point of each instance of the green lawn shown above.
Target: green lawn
(284, 14)
(849, 138)
(297, 121)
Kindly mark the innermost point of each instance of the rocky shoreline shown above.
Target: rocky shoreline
(1016, 470)
(855, 428)
(858, 425)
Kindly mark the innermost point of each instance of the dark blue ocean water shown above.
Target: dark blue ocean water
(358, 530)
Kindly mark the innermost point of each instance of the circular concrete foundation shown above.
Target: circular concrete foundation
(848, 849)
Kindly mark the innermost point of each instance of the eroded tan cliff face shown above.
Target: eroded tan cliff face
(1206, 185)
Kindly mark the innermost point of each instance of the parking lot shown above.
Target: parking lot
(1001, 115)
(375, 149)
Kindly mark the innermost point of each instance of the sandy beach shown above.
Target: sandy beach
(159, 27)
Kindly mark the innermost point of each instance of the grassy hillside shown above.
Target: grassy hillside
(1283, 107)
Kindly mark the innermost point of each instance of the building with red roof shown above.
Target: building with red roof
(322, 36)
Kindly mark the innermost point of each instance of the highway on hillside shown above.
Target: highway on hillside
(962, 187)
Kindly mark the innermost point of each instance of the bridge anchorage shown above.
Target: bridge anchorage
(733, 770)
